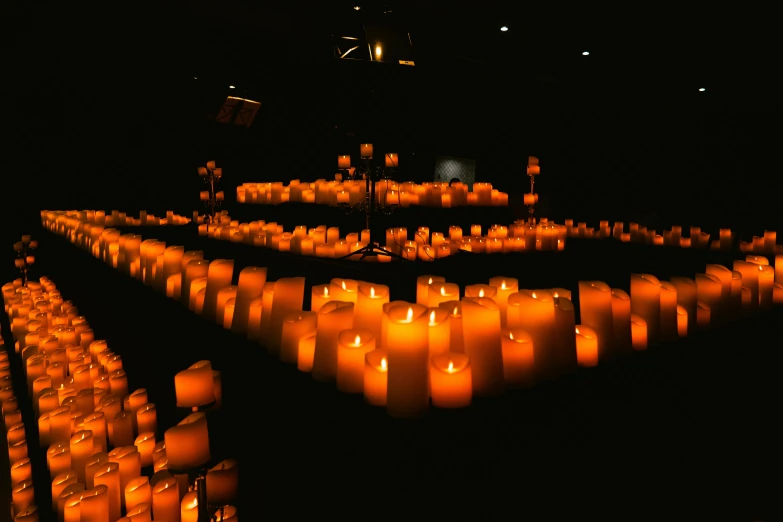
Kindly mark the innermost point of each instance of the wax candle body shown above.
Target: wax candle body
(333, 318)
(422, 287)
(595, 309)
(352, 348)
(481, 330)
(376, 377)
(536, 311)
(638, 332)
(686, 297)
(296, 326)
(646, 303)
(408, 360)
(450, 378)
(668, 311)
(518, 358)
(289, 296)
(505, 287)
(621, 320)
(587, 351)
(368, 312)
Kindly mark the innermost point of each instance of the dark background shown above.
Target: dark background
(103, 111)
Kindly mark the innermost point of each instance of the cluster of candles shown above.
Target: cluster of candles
(696, 238)
(118, 219)
(100, 439)
(323, 241)
(453, 344)
(387, 192)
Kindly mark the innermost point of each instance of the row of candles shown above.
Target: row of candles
(451, 345)
(97, 436)
(765, 244)
(115, 218)
(387, 192)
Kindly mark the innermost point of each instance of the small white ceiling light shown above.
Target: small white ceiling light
(231, 87)
(702, 89)
(504, 28)
(357, 7)
(585, 53)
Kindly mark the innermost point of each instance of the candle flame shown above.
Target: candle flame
(503, 285)
(372, 291)
(410, 314)
(534, 295)
(481, 293)
(357, 341)
(577, 330)
(344, 288)
(432, 318)
(456, 311)
(511, 335)
(761, 268)
(442, 290)
(555, 295)
(430, 281)
(326, 291)
(383, 364)
(451, 367)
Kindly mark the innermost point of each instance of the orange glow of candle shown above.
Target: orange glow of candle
(638, 332)
(376, 377)
(682, 321)
(352, 347)
(137, 491)
(586, 346)
(518, 358)
(450, 379)
(189, 507)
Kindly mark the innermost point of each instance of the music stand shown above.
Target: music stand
(238, 111)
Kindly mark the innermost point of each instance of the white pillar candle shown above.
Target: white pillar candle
(451, 380)
(187, 443)
(595, 311)
(456, 337)
(563, 343)
(368, 312)
(94, 504)
(250, 286)
(319, 295)
(422, 287)
(505, 287)
(439, 292)
(638, 332)
(109, 476)
(536, 311)
(352, 347)
(225, 296)
(408, 360)
(750, 280)
(646, 303)
(708, 292)
(333, 317)
(621, 320)
(587, 353)
(439, 330)
(518, 358)
(81, 448)
(196, 270)
(481, 331)
(376, 377)
(193, 387)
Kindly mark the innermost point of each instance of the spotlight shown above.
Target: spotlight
(504, 28)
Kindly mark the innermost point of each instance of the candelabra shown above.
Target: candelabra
(212, 199)
(531, 199)
(371, 174)
(24, 256)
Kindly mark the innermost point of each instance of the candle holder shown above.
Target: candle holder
(371, 174)
(197, 479)
(212, 199)
(24, 256)
(533, 170)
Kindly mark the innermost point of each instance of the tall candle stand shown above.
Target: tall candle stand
(533, 170)
(24, 256)
(212, 199)
(371, 175)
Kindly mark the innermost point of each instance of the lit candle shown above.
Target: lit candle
(536, 311)
(189, 507)
(595, 311)
(296, 326)
(187, 443)
(319, 296)
(21, 470)
(638, 332)
(563, 342)
(219, 275)
(703, 315)
(109, 476)
(58, 458)
(94, 504)
(60, 482)
(344, 161)
(165, 499)
(621, 319)
(481, 331)
(145, 443)
(250, 287)
(422, 287)
(141, 513)
(81, 448)
(195, 269)
(505, 287)
(686, 297)
(23, 495)
(408, 360)
(223, 482)
(750, 280)
(193, 386)
(226, 299)
(94, 464)
(138, 491)
(365, 150)
(391, 159)
(766, 278)
(288, 299)
(440, 292)
(450, 378)
(646, 303)
(708, 292)
(439, 330)
(72, 492)
(586, 346)
(129, 460)
(333, 317)
(368, 312)
(668, 311)
(306, 355)
(682, 321)
(376, 377)
(518, 358)
(481, 290)
(724, 276)
(352, 347)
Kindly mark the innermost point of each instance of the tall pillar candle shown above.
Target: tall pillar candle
(505, 287)
(166, 500)
(686, 297)
(439, 330)
(289, 297)
(766, 277)
(724, 275)
(422, 287)
(708, 291)
(172, 265)
(333, 317)
(518, 358)
(638, 332)
(451, 380)
(196, 269)
(408, 359)
(368, 312)
(750, 280)
(376, 370)
(109, 476)
(267, 300)
(537, 316)
(646, 303)
(481, 331)
(250, 286)
(621, 320)
(595, 311)
(187, 257)
(563, 343)
(456, 337)
(82, 448)
(586, 345)
(296, 326)
(319, 295)
(668, 311)
(219, 275)
(352, 348)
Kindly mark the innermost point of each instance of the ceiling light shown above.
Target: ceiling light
(231, 87)
(585, 53)
(356, 7)
(504, 28)
(702, 89)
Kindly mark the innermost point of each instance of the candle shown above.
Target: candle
(408, 360)
(646, 303)
(226, 302)
(422, 288)
(563, 342)
(450, 378)
(187, 443)
(219, 275)
(391, 159)
(81, 448)
(23, 495)
(518, 358)
(223, 482)
(58, 458)
(505, 287)
(596, 313)
(94, 464)
(288, 299)
(21, 470)
(344, 161)
(668, 311)
(60, 482)
(376, 377)
(586, 346)
(109, 476)
(682, 321)
(439, 330)
(194, 270)
(295, 327)
(144, 444)
(480, 290)
(703, 315)
(686, 297)
(138, 491)
(708, 292)
(766, 278)
(193, 386)
(333, 317)
(750, 280)
(536, 315)
(724, 276)
(352, 347)
(368, 312)
(306, 355)
(621, 319)
(365, 150)
(72, 492)
(481, 331)
(638, 332)
(94, 504)
(129, 460)
(440, 292)
(165, 499)
(140, 513)
(189, 507)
